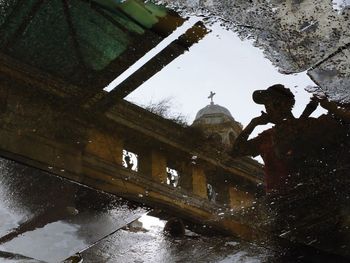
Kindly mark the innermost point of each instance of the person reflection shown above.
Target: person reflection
(297, 151)
(306, 160)
(274, 145)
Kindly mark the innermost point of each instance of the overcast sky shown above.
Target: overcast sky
(222, 63)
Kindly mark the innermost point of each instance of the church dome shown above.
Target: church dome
(211, 110)
(217, 123)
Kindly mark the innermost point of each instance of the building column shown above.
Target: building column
(145, 163)
(199, 182)
(185, 180)
(159, 167)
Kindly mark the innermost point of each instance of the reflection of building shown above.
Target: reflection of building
(220, 130)
(218, 124)
(96, 138)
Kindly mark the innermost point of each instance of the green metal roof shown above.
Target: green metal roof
(82, 41)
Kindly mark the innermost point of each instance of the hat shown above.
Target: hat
(275, 92)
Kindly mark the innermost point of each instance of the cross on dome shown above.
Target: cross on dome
(211, 96)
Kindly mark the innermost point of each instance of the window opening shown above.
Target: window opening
(172, 177)
(211, 193)
(130, 160)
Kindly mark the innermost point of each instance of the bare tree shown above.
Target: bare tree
(164, 108)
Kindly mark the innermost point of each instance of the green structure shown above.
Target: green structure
(82, 42)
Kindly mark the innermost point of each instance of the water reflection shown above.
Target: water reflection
(235, 70)
(149, 244)
(7, 257)
(64, 239)
(306, 168)
(295, 35)
(49, 218)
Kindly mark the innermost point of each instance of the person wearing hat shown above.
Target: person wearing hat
(293, 150)
(305, 162)
(275, 145)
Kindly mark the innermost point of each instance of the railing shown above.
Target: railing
(180, 172)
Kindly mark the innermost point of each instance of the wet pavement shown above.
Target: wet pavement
(150, 244)
(48, 218)
(45, 218)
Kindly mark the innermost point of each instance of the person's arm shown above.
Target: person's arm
(242, 145)
(332, 108)
(310, 108)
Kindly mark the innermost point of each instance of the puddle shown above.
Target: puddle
(296, 43)
(49, 218)
(226, 65)
(148, 243)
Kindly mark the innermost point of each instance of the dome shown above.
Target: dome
(218, 124)
(213, 109)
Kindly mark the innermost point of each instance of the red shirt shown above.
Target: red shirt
(276, 166)
(277, 148)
